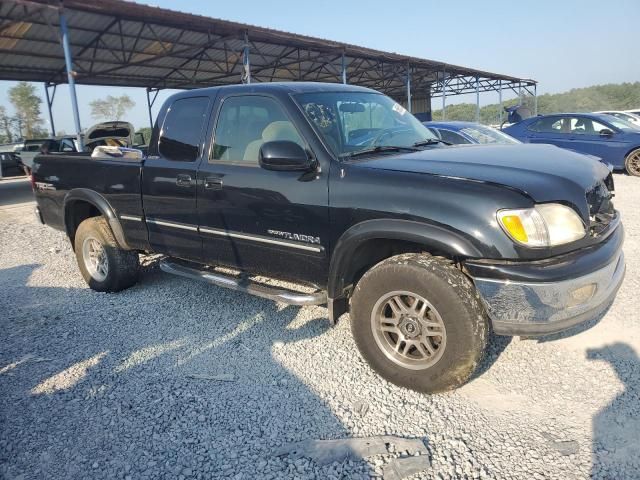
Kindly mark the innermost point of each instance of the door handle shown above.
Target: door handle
(213, 183)
(183, 180)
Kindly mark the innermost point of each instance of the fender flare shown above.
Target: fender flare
(103, 206)
(431, 236)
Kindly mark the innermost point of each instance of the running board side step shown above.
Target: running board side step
(243, 285)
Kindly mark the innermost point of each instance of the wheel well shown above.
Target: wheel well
(628, 153)
(75, 213)
(373, 251)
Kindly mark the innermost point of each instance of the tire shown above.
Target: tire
(632, 163)
(453, 326)
(96, 247)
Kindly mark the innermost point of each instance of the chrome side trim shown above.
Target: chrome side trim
(257, 238)
(133, 218)
(164, 223)
(290, 297)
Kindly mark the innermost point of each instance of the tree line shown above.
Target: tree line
(612, 96)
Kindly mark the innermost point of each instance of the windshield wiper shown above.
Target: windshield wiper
(379, 149)
(430, 141)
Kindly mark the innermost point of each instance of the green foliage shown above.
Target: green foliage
(622, 96)
(27, 106)
(111, 108)
(146, 131)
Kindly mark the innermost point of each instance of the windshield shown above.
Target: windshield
(351, 122)
(482, 134)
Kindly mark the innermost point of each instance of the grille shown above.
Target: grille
(601, 210)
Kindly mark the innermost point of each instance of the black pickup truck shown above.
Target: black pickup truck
(343, 195)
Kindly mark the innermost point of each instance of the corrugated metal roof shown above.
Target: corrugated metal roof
(122, 43)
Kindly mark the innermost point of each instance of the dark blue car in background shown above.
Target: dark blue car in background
(614, 141)
(461, 133)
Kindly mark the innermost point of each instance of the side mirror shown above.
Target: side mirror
(605, 132)
(284, 156)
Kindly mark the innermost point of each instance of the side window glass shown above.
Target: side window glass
(552, 125)
(67, 146)
(435, 131)
(452, 137)
(598, 127)
(586, 126)
(245, 123)
(182, 129)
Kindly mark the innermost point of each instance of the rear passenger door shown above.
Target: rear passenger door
(169, 179)
(254, 219)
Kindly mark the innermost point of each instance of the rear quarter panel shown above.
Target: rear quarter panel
(118, 181)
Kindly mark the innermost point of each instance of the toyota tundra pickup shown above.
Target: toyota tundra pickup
(347, 199)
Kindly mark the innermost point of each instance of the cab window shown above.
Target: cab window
(245, 123)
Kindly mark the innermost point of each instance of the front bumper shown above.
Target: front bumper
(549, 296)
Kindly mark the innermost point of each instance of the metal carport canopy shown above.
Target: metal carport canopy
(122, 43)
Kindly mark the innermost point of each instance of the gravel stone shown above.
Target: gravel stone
(96, 385)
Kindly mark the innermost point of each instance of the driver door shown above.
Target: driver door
(255, 219)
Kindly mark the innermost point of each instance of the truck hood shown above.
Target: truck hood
(545, 173)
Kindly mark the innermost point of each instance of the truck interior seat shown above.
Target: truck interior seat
(279, 130)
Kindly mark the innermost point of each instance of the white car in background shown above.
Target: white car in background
(629, 116)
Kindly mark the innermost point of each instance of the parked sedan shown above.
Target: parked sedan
(457, 133)
(10, 163)
(613, 140)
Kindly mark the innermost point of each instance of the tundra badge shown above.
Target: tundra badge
(295, 236)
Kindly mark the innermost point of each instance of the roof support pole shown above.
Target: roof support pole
(246, 63)
(68, 60)
(50, 98)
(519, 93)
(444, 94)
(535, 99)
(500, 100)
(477, 100)
(150, 102)
(409, 87)
(344, 69)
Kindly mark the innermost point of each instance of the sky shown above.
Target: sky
(562, 44)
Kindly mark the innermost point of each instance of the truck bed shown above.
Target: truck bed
(59, 177)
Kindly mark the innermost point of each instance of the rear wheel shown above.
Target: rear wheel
(103, 264)
(419, 323)
(632, 163)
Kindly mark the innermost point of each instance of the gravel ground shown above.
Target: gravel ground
(177, 379)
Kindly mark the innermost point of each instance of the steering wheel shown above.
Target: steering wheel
(383, 134)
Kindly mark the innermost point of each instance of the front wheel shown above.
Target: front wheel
(419, 323)
(103, 264)
(632, 163)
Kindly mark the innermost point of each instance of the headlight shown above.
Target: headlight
(545, 225)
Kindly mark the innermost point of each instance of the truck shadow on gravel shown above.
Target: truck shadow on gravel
(169, 379)
(616, 428)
